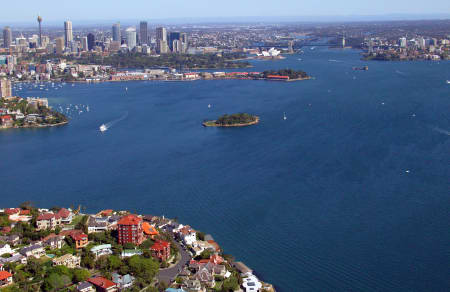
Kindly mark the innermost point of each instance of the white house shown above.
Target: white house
(251, 284)
(5, 248)
(99, 250)
(188, 235)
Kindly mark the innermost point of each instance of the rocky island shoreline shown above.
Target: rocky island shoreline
(234, 120)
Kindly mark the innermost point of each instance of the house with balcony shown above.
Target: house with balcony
(67, 260)
(48, 221)
(101, 250)
(161, 250)
(65, 215)
(81, 239)
(36, 250)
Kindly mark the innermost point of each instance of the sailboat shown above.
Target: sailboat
(284, 116)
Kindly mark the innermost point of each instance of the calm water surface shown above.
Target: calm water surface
(319, 202)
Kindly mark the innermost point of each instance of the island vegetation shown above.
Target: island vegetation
(29, 113)
(234, 120)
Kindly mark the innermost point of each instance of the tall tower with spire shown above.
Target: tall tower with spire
(39, 19)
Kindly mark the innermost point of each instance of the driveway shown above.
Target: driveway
(169, 274)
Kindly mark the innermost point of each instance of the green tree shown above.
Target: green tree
(80, 275)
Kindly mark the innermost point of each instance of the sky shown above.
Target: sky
(93, 10)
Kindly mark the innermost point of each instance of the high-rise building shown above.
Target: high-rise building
(68, 33)
(177, 46)
(161, 47)
(161, 34)
(39, 19)
(7, 37)
(5, 88)
(184, 41)
(129, 229)
(143, 32)
(59, 45)
(90, 41)
(84, 44)
(131, 37)
(172, 37)
(116, 32)
(402, 42)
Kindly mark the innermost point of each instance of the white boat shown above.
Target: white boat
(448, 81)
(103, 128)
(284, 116)
(209, 106)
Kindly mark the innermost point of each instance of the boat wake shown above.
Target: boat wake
(105, 127)
(442, 131)
(400, 72)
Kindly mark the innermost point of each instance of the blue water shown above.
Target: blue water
(319, 202)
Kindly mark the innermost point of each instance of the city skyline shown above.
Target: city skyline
(18, 12)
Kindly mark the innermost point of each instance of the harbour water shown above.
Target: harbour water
(349, 193)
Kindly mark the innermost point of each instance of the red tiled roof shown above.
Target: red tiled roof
(24, 212)
(149, 229)
(4, 275)
(6, 229)
(11, 211)
(64, 213)
(71, 233)
(79, 236)
(7, 117)
(106, 212)
(46, 216)
(160, 245)
(129, 220)
(102, 282)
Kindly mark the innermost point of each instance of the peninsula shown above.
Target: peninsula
(32, 112)
(64, 249)
(234, 120)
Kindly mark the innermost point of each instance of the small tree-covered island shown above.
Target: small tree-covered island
(234, 120)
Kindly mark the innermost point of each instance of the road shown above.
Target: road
(167, 275)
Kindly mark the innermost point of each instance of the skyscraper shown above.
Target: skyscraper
(68, 34)
(39, 19)
(5, 88)
(7, 37)
(84, 44)
(161, 34)
(161, 47)
(131, 37)
(173, 36)
(143, 32)
(90, 41)
(59, 45)
(184, 41)
(116, 32)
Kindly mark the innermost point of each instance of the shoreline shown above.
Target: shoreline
(167, 231)
(37, 126)
(212, 123)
